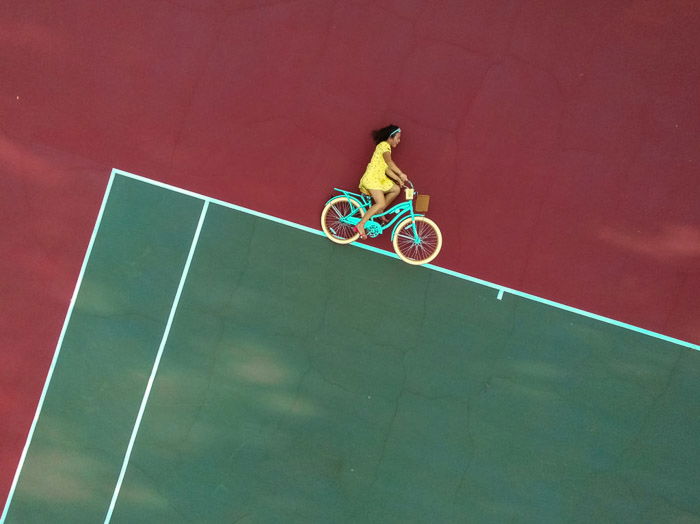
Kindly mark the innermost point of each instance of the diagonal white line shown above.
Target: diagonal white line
(156, 364)
(23, 456)
(432, 267)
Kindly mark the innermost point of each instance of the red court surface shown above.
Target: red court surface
(558, 141)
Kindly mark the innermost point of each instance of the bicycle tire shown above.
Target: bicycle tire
(331, 225)
(422, 252)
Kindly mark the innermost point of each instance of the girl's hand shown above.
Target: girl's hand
(403, 177)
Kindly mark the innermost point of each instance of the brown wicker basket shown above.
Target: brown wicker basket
(422, 203)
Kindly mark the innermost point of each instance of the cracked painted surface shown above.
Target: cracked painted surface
(558, 142)
(309, 382)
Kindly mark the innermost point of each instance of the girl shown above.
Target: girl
(381, 170)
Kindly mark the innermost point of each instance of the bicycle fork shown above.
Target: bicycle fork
(416, 237)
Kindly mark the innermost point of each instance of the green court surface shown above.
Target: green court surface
(301, 381)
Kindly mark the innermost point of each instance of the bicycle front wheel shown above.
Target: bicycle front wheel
(417, 242)
(333, 223)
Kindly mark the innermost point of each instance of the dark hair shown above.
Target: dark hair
(379, 135)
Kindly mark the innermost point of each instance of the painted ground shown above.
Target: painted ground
(267, 384)
(558, 143)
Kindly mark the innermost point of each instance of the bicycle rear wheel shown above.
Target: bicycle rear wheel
(332, 221)
(417, 242)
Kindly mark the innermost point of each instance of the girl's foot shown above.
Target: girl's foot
(363, 235)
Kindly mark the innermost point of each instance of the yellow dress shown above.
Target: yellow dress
(375, 174)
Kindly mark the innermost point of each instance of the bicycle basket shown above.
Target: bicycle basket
(422, 203)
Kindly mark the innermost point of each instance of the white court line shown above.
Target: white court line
(156, 364)
(462, 276)
(23, 457)
(208, 200)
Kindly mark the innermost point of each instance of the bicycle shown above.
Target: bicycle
(416, 239)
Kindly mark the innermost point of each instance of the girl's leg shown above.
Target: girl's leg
(378, 207)
(392, 194)
(389, 197)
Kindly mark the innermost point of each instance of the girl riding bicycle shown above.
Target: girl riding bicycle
(381, 173)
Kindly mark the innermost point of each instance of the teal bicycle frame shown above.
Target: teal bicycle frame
(373, 228)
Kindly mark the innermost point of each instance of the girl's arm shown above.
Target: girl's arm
(393, 169)
(396, 178)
